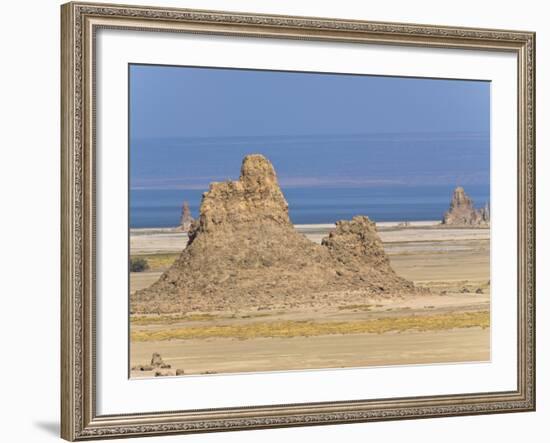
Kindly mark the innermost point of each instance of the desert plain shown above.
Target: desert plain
(449, 323)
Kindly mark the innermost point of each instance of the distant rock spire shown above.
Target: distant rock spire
(486, 213)
(462, 211)
(186, 218)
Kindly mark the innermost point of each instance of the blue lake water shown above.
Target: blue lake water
(162, 207)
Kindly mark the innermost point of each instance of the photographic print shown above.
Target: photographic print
(276, 221)
(285, 220)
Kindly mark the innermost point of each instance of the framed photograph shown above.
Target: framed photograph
(277, 221)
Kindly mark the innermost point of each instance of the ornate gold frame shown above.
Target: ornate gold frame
(79, 420)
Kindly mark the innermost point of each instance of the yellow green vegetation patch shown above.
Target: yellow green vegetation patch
(361, 307)
(143, 320)
(158, 262)
(310, 328)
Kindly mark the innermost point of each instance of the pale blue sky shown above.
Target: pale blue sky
(195, 124)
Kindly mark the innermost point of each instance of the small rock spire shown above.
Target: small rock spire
(463, 212)
(186, 219)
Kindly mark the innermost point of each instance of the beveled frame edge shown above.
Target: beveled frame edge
(78, 23)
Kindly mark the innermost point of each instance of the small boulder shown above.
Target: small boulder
(142, 368)
(156, 360)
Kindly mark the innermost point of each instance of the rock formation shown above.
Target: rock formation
(486, 213)
(186, 219)
(463, 213)
(156, 363)
(244, 253)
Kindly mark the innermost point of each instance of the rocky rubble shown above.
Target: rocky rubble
(244, 253)
(157, 367)
(156, 363)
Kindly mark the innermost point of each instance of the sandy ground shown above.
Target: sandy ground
(167, 240)
(329, 351)
(453, 263)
